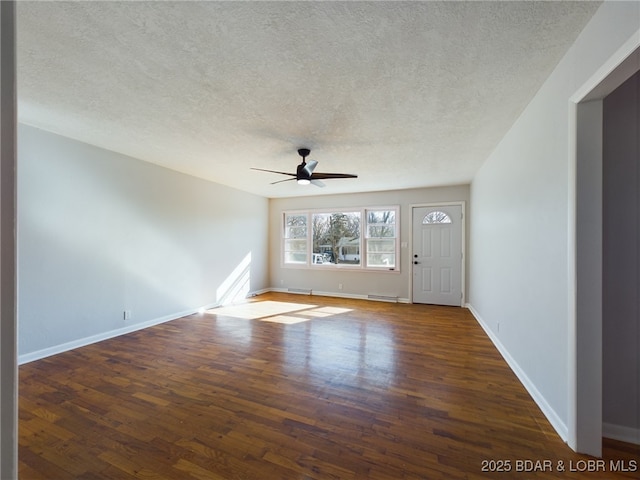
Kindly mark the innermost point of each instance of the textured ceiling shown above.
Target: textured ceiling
(405, 94)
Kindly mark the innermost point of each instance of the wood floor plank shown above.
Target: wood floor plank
(291, 387)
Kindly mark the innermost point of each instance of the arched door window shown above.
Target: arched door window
(436, 218)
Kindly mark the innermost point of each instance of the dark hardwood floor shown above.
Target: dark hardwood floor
(294, 387)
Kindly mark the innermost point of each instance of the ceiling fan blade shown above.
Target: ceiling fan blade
(325, 176)
(274, 171)
(309, 166)
(318, 183)
(285, 180)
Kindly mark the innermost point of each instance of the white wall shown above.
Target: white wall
(355, 283)
(520, 255)
(621, 249)
(100, 233)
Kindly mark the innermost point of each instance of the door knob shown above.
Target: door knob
(415, 255)
(416, 263)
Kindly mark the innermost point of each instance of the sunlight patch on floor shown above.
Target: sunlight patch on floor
(285, 319)
(277, 312)
(326, 311)
(257, 310)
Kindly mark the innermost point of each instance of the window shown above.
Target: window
(295, 239)
(381, 238)
(436, 218)
(364, 238)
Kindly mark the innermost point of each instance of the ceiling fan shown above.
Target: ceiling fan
(304, 173)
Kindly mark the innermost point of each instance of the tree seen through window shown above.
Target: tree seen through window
(336, 238)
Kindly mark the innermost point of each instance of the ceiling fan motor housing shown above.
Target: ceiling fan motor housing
(302, 173)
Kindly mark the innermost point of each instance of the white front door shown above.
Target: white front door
(437, 255)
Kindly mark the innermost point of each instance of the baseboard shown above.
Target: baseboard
(622, 433)
(555, 420)
(255, 293)
(355, 296)
(82, 342)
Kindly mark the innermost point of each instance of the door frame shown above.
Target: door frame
(463, 233)
(584, 422)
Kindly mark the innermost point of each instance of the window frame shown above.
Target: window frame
(363, 266)
(395, 237)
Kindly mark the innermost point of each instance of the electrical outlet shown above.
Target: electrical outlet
(127, 315)
(498, 327)
(339, 286)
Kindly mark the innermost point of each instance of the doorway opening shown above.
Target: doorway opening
(586, 346)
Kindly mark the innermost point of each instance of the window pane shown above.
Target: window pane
(336, 238)
(294, 220)
(295, 245)
(381, 260)
(381, 253)
(436, 218)
(296, 232)
(381, 224)
(295, 251)
(382, 216)
(380, 231)
(374, 246)
(295, 226)
(295, 257)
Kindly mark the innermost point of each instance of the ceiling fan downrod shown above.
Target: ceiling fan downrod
(304, 153)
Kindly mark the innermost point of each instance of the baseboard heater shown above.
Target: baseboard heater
(383, 298)
(301, 291)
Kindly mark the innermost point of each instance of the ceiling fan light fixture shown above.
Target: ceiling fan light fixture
(304, 181)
